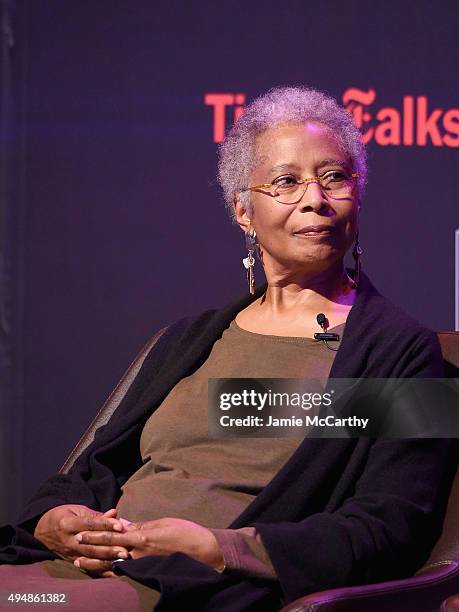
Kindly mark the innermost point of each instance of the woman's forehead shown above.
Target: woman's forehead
(297, 144)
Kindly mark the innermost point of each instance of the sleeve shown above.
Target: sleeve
(387, 526)
(52, 494)
(385, 530)
(244, 553)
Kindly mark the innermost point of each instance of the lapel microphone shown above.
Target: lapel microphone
(325, 336)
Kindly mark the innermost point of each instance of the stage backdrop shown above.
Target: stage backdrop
(115, 223)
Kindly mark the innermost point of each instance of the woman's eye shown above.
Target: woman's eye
(334, 175)
(285, 181)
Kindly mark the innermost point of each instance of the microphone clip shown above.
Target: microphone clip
(327, 336)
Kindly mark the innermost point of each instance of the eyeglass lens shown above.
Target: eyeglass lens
(332, 187)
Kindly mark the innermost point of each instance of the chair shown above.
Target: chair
(437, 580)
(112, 402)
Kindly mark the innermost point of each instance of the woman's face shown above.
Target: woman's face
(303, 151)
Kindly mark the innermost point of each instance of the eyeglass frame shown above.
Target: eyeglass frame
(305, 181)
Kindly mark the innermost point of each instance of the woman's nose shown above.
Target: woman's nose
(313, 196)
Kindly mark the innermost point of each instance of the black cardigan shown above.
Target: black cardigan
(340, 511)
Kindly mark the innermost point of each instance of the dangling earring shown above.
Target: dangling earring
(249, 261)
(356, 253)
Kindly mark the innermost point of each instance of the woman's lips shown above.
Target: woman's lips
(314, 230)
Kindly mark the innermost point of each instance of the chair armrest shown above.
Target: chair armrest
(451, 604)
(424, 592)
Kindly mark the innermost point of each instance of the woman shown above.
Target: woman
(222, 524)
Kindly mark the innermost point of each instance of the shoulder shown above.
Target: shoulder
(389, 319)
(208, 325)
(393, 342)
(383, 314)
(174, 340)
(180, 330)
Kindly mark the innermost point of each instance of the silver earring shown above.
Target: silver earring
(356, 253)
(249, 261)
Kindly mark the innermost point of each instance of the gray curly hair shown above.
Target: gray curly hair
(280, 106)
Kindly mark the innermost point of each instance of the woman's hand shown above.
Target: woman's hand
(57, 529)
(163, 536)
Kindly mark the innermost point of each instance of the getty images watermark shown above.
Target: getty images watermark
(343, 407)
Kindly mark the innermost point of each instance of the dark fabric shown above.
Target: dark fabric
(340, 512)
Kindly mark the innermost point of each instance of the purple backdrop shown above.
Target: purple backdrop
(117, 224)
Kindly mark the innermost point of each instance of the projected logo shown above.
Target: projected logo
(411, 123)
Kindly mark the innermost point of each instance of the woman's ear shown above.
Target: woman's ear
(243, 218)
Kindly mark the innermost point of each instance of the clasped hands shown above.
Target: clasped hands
(93, 540)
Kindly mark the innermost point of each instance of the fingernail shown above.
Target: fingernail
(76, 562)
(117, 527)
(122, 555)
(78, 537)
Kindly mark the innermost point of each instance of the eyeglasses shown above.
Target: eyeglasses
(287, 189)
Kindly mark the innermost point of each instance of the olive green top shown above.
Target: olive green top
(188, 475)
(209, 481)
